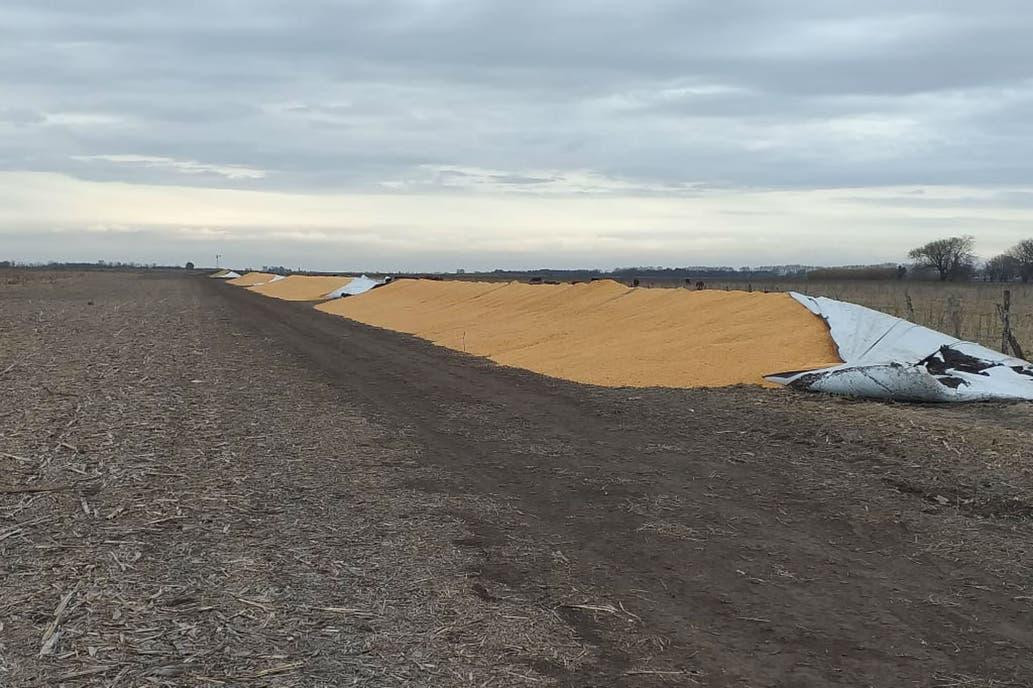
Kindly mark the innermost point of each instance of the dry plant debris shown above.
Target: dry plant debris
(173, 513)
(201, 486)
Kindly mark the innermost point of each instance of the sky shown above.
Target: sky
(441, 134)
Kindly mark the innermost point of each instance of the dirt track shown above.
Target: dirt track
(245, 490)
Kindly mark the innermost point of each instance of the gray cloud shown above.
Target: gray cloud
(644, 97)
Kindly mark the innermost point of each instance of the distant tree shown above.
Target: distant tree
(860, 272)
(190, 266)
(952, 258)
(1022, 253)
(1001, 268)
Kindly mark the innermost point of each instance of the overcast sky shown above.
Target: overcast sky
(437, 134)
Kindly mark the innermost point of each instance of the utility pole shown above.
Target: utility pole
(217, 257)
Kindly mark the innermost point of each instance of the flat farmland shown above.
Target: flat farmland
(200, 485)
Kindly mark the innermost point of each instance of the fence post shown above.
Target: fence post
(1005, 314)
(954, 313)
(1008, 340)
(910, 306)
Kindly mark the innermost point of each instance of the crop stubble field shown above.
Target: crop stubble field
(204, 486)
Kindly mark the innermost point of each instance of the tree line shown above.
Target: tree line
(954, 259)
(949, 259)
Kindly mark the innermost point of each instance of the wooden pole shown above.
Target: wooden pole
(910, 306)
(1008, 340)
(1006, 321)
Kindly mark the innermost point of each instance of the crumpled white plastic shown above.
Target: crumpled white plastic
(886, 357)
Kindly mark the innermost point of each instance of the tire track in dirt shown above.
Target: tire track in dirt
(244, 524)
(704, 534)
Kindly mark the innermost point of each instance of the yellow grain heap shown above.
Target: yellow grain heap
(251, 279)
(301, 287)
(604, 333)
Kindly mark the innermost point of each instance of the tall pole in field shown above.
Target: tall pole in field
(217, 257)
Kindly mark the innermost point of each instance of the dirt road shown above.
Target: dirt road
(233, 488)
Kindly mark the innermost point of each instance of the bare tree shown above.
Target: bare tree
(1001, 268)
(1022, 253)
(952, 258)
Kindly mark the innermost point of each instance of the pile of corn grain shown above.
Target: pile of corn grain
(251, 279)
(605, 333)
(301, 287)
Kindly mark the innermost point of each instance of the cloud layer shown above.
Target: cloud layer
(521, 108)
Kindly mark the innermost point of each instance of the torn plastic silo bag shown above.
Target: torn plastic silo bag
(359, 285)
(890, 358)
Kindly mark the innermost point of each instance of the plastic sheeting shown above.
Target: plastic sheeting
(890, 358)
(359, 285)
(227, 275)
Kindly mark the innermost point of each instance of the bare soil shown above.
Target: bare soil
(203, 486)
